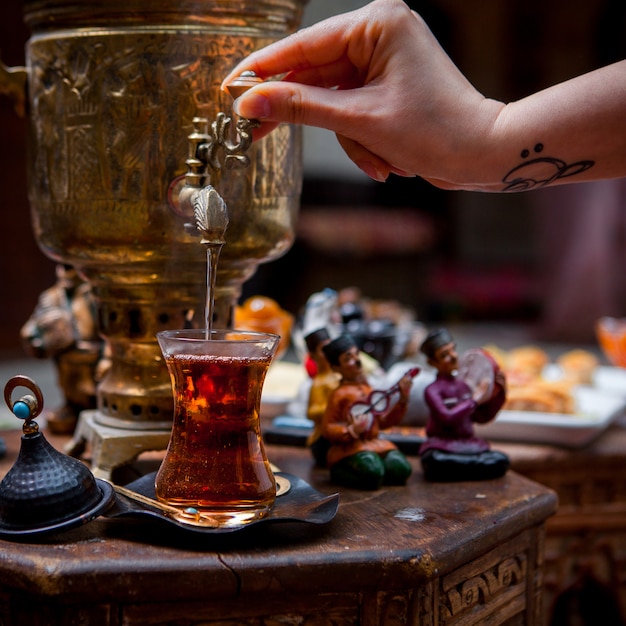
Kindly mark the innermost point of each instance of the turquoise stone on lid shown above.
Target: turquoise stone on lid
(22, 410)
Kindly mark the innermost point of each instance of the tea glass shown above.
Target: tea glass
(215, 465)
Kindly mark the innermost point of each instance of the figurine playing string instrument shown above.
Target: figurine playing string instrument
(353, 419)
(467, 391)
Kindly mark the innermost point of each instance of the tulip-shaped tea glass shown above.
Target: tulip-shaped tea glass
(215, 464)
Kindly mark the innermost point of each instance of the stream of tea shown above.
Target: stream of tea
(212, 257)
(211, 216)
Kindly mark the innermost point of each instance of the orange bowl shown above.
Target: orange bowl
(264, 314)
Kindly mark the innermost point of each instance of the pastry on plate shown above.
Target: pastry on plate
(578, 366)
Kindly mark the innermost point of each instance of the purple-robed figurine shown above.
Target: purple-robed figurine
(460, 396)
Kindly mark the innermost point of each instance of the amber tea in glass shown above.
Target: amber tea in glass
(215, 461)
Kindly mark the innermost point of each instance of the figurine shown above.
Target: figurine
(383, 329)
(452, 452)
(357, 456)
(324, 381)
(321, 310)
(63, 327)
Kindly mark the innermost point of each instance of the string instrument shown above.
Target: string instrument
(378, 401)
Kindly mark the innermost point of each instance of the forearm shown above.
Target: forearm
(337, 432)
(379, 79)
(572, 132)
(449, 416)
(395, 414)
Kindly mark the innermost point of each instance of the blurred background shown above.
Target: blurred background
(550, 259)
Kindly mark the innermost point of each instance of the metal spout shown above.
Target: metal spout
(211, 216)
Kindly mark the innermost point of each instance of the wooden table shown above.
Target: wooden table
(585, 557)
(465, 553)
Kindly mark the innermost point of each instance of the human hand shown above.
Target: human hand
(480, 391)
(500, 379)
(378, 78)
(405, 384)
(360, 424)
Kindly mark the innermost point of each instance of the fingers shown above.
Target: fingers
(343, 42)
(341, 74)
(296, 104)
(379, 80)
(375, 167)
(279, 101)
(283, 103)
(264, 129)
(321, 44)
(276, 102)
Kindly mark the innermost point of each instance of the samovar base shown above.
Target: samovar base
(112, 447)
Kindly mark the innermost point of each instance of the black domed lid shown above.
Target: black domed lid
(45, 490)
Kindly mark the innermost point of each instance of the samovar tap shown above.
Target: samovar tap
(217, 145)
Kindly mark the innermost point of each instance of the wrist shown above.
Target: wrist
(480, 154)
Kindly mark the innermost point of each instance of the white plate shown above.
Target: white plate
(597, 408)
(611, 379)
(281, 386)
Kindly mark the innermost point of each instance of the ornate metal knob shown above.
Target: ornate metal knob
(28, 407)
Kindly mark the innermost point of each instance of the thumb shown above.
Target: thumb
(295, 103)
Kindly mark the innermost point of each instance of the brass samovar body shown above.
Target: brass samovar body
(113, 89)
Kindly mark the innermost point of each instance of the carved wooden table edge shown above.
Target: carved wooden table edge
(585, 548)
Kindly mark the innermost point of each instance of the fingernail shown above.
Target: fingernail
(403, 173)
(253, 106)
(372, 171)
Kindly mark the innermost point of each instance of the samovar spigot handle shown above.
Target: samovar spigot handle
(246, 80)
(217, 145)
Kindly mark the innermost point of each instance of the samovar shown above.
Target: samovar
(117, 91)
(117, 94)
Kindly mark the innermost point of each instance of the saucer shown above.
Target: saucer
(300, 503)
